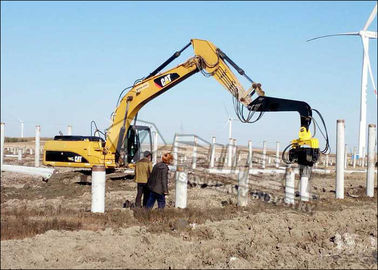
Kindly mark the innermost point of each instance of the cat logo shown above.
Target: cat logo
(166, 79)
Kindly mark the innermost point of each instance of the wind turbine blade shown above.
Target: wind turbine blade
(370, 34)
(369, 66)
(371, 17)
(332, 35)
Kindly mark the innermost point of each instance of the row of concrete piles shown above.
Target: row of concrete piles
(341, 159)
(233, 156)
(181, 177)
(304, 171)
(230, 159)
(98, 173)
(351, 160)
(19, 152)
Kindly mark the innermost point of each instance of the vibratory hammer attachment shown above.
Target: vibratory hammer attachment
(308, 155)
(304, 150)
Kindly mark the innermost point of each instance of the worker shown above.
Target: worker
(143, 170)
(158, 182)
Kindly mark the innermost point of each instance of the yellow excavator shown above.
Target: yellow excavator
(122, 143)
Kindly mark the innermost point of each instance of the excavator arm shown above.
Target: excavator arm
(208, 59)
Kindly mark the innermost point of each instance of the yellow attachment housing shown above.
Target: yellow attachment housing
(305, 138)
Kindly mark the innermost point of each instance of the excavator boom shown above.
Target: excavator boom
(207, 59)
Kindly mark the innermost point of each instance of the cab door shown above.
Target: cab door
(138, 140)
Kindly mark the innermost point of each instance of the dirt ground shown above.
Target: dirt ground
(49, 224)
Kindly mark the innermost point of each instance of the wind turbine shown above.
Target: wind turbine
(366, 68)
(22, 127)
(229, 122)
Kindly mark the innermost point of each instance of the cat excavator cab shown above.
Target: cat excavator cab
(124, 142)
(56, 153)
(138, 140)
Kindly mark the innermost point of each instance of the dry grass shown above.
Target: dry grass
(14, 139)
(19, 223)
(25, 139)
(22, 223)
(168, 219)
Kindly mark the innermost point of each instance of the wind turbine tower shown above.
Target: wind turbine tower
(229, 128)
(366, 69)
(229, 122)
(22, 128)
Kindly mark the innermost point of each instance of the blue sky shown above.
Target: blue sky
(66, 63)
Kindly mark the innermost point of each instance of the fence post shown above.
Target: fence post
(250, 154)
(305, 174)
(229, 158)
(370, 165)
(19, 156)
(243, 186)
(354, 156)
(98, 189)
(234, 153)
(264, 155)
(175, 155)
(289, 185)
(37, 145)
(362, 158)
(181, 187)
(212, 153)
(194, 163)
(340, 147)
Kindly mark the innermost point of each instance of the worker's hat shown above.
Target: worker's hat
(147, 153)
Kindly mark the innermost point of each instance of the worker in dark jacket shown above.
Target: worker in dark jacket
(158, 182)
(143, 170)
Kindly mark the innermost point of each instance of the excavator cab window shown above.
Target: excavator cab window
(137, 141)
